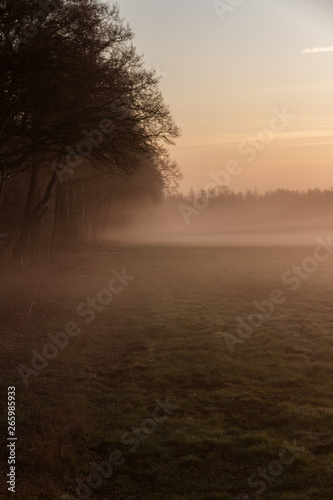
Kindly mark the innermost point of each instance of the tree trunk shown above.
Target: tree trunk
(53, 243)
(32, 216)
(2, 182)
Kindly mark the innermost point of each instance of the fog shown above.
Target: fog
(245, 220)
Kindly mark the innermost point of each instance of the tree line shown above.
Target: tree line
(221, 208)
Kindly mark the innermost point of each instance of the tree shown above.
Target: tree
(75, 101)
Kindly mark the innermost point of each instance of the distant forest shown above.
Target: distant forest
(222, 211)
(279, 207)
(280, 201)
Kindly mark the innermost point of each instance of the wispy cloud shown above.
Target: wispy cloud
(317, 49)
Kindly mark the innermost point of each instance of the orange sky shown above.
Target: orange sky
(224, 74)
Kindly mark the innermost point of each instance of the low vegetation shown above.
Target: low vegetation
(235, 415)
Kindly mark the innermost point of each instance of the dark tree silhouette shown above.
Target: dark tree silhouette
(75, 101)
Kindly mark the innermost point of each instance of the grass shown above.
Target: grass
(157, 340)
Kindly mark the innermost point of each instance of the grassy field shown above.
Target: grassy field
(158, 391)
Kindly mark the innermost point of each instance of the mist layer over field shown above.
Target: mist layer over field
(279, 218)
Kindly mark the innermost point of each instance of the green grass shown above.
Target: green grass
(157, 340)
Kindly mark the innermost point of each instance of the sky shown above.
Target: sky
(250, 84)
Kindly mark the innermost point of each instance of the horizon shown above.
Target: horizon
(256, 191)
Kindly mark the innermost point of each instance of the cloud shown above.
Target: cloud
(317, 49)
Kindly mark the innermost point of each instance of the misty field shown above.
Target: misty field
(160, 393)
